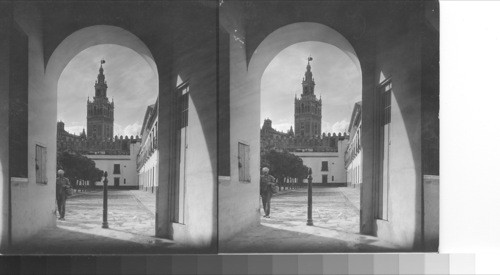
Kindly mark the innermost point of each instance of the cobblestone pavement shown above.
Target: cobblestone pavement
(131, 222)
(336, 225)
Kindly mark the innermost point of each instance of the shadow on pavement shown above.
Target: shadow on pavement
(72, 242)
(266, 239)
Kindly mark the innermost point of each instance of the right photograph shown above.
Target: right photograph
(328, 126)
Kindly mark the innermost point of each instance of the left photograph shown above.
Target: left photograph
(109, 127)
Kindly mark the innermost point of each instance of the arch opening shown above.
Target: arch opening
(120, 134)
(309, 80)
(307, 139)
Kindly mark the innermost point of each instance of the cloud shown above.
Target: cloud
(283, 127)
(340, 126)
(129, 130)
(76, 129)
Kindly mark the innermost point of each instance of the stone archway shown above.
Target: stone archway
(245, 98)
(289, 35)
(44, 131)
(85, 38)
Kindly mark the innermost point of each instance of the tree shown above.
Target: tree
(283, 166)
(78, 167)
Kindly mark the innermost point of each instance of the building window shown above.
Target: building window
(244, 162)
(333, 178)
(324, 166)
(116, 169)
(117, 182)
(41, 164)
(325, 179)
(124, 181)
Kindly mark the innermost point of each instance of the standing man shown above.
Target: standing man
(62, 184)
(266, 192)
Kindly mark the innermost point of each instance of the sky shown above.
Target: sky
(338, 81)
(132, 84)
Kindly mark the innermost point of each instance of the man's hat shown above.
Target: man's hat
(265, 169)
(60, 172)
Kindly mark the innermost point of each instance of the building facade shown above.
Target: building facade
(147, 157)
(121, 169)
(64, 137)
(354, 152)
(327, 167)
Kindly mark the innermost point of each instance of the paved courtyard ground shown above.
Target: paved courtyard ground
(336, 225)
(131, 222)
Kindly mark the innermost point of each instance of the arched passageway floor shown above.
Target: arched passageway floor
(335, 229)
(131, 227)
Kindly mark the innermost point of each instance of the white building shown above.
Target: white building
(354, 152)
(122, 172)
(147, 156)
(327, 167)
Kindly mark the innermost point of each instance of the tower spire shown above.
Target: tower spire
(100, 85)
(100, 76)
(308, 81)
(100, 112)
(308, 107)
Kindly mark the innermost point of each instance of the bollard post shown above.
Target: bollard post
(105, 202)
(309, 199)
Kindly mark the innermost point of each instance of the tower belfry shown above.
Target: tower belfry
(308, 107)
(100, 112)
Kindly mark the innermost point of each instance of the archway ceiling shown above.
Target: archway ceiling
(355, 20)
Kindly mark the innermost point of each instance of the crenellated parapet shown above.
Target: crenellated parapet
(272, 139)
(116, 146)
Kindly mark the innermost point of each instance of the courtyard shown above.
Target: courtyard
(131, 221)
(335, 229)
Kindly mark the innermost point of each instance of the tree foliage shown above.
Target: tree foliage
(78, 167)
(284, 165)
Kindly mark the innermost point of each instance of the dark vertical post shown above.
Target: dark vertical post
(105, 202)
(309, 199)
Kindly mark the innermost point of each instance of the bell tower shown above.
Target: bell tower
(308, 107)
(100, 112)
